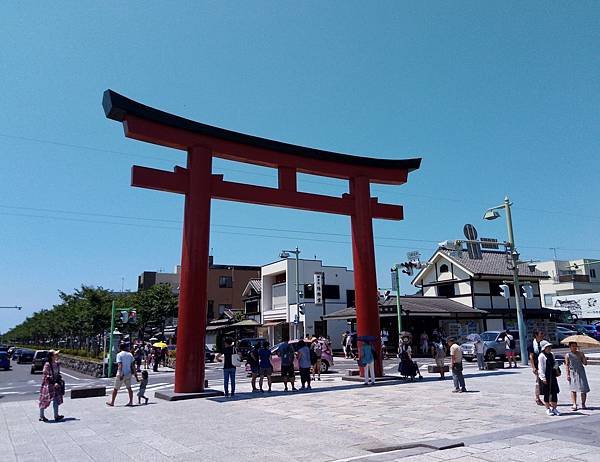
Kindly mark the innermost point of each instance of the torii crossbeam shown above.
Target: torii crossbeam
(199, 185)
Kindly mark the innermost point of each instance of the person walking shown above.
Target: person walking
(287, 355)
(316, 354)
(229, 367)
(304, 365)
(265, 368)
(252, 360)
(141, 394)
(548, 371)
(367, 361)
(575, 362)
(344, 337)
(438, 351)
(156, 359)
(137, 355)
(456, 366)
(348, 347)
(534, 351)
(53, 387)
(125, 369)
(480, 351)
(509, 346)
(424, 343)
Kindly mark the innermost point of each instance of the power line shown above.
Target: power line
(379, 190)
(224, 225)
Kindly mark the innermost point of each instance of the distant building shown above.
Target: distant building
(278, 299)
(225, 285)
(568, 277)
(475, 283)
(251, 298)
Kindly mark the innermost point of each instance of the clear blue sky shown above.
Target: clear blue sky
(496, 98)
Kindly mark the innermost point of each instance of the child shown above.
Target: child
(142, 390)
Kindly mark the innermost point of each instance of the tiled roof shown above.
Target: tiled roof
(256, 285)
(491, 264)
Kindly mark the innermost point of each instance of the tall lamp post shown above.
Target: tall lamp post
(492, 214)
(286, 254)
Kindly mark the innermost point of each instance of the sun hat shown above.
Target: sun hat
(54, 352)
(545, 344)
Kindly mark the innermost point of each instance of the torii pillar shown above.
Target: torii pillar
(199, 185)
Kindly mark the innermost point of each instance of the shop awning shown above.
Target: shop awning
(272, 323)
(438, 307)
(246, 323)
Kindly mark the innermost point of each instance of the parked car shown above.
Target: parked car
(39, 359)
(16, 353)
(4, 361)
(563, 332)
(589, 329)
(326, 358)
(494, 346)
(246, 344)
(4, 348)
(26, 356)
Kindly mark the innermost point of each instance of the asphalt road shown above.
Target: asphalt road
(18, 384)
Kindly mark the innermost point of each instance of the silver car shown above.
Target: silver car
(494, 346)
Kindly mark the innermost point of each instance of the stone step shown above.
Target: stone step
(87, 392)
(436, 369)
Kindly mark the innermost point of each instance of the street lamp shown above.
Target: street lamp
(286, 254)
(492, 214)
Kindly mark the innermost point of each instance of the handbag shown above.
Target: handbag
(235, 360)
(557, 371)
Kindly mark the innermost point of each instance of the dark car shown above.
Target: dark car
(39, 359)
(4, 361)
(25, 357)
(16, 353)
(246, 344)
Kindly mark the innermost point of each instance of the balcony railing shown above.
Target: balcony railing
(573, 278)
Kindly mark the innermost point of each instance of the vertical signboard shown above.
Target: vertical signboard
(318, 288)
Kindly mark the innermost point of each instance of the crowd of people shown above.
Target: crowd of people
(306, 354)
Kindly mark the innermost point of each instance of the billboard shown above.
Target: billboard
(582, 306)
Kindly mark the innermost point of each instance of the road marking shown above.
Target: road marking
(72, 376)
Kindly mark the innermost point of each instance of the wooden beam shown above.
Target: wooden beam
(161, 180)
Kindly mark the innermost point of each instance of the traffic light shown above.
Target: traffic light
(408, 267)
(528, 291)
(301, 308)
(505, 291)
(132, 316)
(124, 316)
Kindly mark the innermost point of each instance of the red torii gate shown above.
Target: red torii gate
(198, 183)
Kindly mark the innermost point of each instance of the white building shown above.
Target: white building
(568, 277)
(475, 282)
(278, 299)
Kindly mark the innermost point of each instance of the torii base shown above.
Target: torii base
(172, 396)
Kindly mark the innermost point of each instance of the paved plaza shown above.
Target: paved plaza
(338, 420)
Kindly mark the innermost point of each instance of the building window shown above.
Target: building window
(350, 298)
(309, 291)
(252, 307)
(444, 269)
(593, 273)
(332, 292)
(548, 299)
(225, 282)
(446, 290)
(211, 310)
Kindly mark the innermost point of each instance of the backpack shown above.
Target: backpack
(512, 344)
(287, 355)
(318, 349)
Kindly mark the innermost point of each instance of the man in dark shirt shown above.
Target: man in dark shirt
(265, 368)
(286, 353)
(534, 351)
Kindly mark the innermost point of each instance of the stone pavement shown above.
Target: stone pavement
(338, 420)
